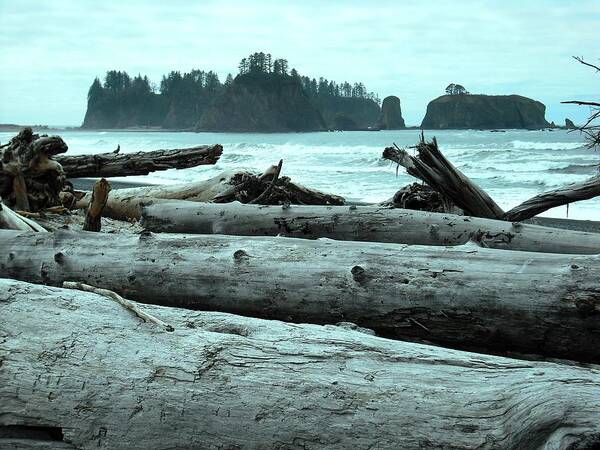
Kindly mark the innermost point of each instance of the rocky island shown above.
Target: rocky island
(459, 109)
(263, 97)
(262, 102)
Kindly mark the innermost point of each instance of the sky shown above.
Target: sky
(51, 51)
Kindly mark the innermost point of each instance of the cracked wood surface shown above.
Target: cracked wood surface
(362, 223)
(464, 296)
(107, 380)
(138, 163)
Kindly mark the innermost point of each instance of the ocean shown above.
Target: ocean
(511, 166)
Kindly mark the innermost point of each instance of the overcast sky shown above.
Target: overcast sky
(52, 50)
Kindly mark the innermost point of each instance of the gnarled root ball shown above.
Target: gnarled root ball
(29, 178)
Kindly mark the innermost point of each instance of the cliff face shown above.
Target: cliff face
(262, 102)
(115, 112)
(391, 114)
(484, 112)
(348, 113)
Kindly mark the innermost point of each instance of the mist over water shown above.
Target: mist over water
(511, 166)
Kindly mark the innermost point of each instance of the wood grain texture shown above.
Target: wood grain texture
(81, 363)
(362, 223)
(464, 296)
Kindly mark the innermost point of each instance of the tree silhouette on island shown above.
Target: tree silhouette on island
(181, 99)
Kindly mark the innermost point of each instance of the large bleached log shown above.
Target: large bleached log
(460, 296)
(138, 163)
(228, 186)
(585, 190)
(10, 220)
(362, 223)
(433, 168)
(92, 375)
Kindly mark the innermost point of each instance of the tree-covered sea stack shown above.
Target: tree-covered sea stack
(264, 96)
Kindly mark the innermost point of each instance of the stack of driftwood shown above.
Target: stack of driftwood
(270, 315)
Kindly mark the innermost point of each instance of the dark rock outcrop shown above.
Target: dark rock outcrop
(348, 113)
(569, 124)
(391, 114)
(484, 112)
(262, 102)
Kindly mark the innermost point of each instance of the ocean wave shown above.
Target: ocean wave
(575, 169)
(529, 145)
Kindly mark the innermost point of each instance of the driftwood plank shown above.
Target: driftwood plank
(95, 376)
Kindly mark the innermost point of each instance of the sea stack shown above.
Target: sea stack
(569, 125)
(464, 111)
(391, 114)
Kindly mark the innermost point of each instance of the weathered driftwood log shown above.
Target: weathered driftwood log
(226, 187)
(457, 190)
(139, 163)
(29, 179)
(94, 376)
(362, 223)
(585, 190)
(93, 215)
(10, 220)
(461, 296)
(433, 168)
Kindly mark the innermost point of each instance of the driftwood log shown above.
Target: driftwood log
(228, 186)
(432, 167)
(464, 296)
(30, 180)
(117, 164)
(362, 223)
(10, 220)
(93, 215)
(82, 372)
(585, 190)
(456, 190)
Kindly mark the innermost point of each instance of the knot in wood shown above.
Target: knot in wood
(359, 274)
(239, 254)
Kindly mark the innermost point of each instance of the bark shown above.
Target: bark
(433, 168)
(464, 296)
(228, 186)
(85, 369)
(362, 223)
(93, 216)
(10, 220)
(139, 163)
(585, 190)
